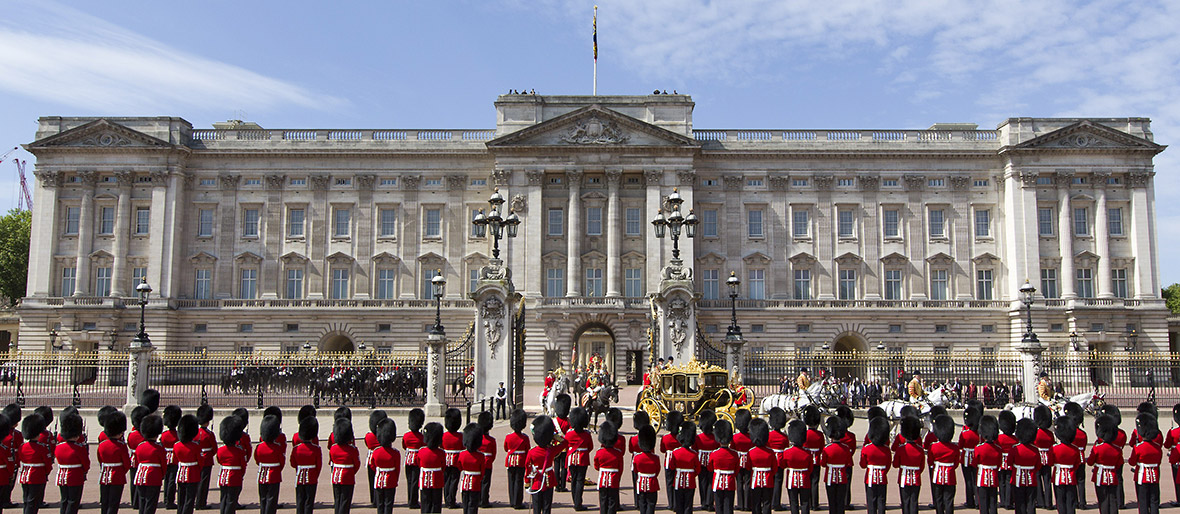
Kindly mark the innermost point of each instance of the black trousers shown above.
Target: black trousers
(543, 501)
(815, 474)
(559, 470)
(135, 492)
(970, 474)
(759, 500)
(485, 484)
(776, 496)
(149, 498)
(229, 498)
(342, 498)
(412, 476)
(1080, 472)
(373, 490)
(722, 502)
(470, 501)
(305, 498)
(516, 487)
(743, 490)
(646, 502)
(186, 498)
(170, 486)
(1122, 492)
(836, 498)
(6, 489)
(1108, 498)
(577, 484)
(1066, 498)
(986, 498)
(705, 487)
(875, 496)
(800, 500)
(608, 500)
(682, 500)
(71, 498)
(450, 487)
(1175, 484)
(669, 481)
(1024, 499)
(385, 501)
(1044, 488)
(109, 497)
(909, 499)
(501, 409)
(268, 498)
(1005, 488)
(431, 501)
(944, 498)
(1149, 498)
(203, 489)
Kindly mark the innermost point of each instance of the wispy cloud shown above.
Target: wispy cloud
(58, 54)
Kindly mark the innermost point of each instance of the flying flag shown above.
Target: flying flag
(596, 33)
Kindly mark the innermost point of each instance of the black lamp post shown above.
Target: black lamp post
(497, 223)
(674, 222)
(1075, 341)
(53, 340)
(438, 282)
(733, 283)
(1026, 297)
(1132, 341)
(143, 290)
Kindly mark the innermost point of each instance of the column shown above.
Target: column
(363, 213)
(227, 234)
(270, 279)
(614, 233)
(436, 355)
(573, 259)
(47, 224)
(119, 285)
(1141, 235)
(1065, 235)
(1101, 236)
(653, 178)
(138, 380)
(178, 182)
(411, 239)
(532, 231)
(1020, 222)
(85, 233)
(158, 246)
(916, 237)
(319, 216)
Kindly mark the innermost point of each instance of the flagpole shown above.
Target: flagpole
(596, 50)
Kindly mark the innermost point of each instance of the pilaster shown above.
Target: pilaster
(85, 233)
(574, 234)
(119, 283)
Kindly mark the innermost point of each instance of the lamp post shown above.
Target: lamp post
(53, 340)
(733, 283)
(1026, 298)
(674, 223)
(734, 362)
(1132, 341)
(497, 223)
(139, 352)
(1030, 347)
(438, 282)
(143, 290)
(1075, 341)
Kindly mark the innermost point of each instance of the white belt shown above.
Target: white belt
(465, 472)
(486, 454)
(424, 470)
(1027, 468)
(878, 467)
(194, 464)
(342, 465)
(1142, 465)
(105, 465)
(148, 465)
(452, 451)
(648, 475)
(386, 470)
(798, 470)
(913, 468)
(304, 467)
(1063, 466)
(684, 471)
(68, 466)
(580, 450)
(762, 470)
(231, 468)
(704, 452)
(266, 465)
(723, 472)
(981, 466)
(941, 464)
(517, 452)
(778, 451)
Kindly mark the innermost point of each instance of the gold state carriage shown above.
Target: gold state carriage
(693, 388)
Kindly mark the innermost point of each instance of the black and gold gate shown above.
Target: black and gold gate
(516, 388)
(460, 368)
(708, 351)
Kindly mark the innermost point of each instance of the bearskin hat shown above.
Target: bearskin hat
(875, 412)
(453, 420)
(186, 430)
(673, 421)
(614, 415)
(974, 402)
(607, 434)
(270, 429)
(989, 429)
(687, 434)
(150, 399)
(944, 428)
(32, 427)
(5, 426)
(243, 414)
(811, 415)
(116, 424)
(543, 430)
(759, 431)
(1106, 428)
(68, 411)
(12, 411)
(741, 421)
(723, 432)
(432, 435)
(1007, 422)
(834, 428)
(71, 426)
(151, 427)
(1175, 413)
(346, 413)
(205, 414)
(879, 432)
(306, 411)
(1042, 417)
(1074, 411)
(936, 411)
(309, 430)
(103, 412)
(342, 432)
(640, 419)
(230, 430)
(485, 421)
(45, 412)
(971, 417)
(579, 419)
(137, 415)
(172, 414)
(517, 419)
(472, 437)
(797, 433)
(1147, 426)
(908, 411)
(1026, 431)
(273, 411)
(1065, 430)
(1114, 412)
(561, 406)
(1149, 408)
(706, 421)
(375, 419)
(845, 414)
(386, 433)
(911, 428)
(777, 417)
(647, 438)
(414, 420)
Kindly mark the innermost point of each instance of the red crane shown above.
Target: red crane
(25, 200)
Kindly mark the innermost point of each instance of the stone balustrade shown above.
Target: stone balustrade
(846, 136)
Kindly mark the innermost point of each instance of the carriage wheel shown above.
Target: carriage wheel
(655, 412)
(724, 414)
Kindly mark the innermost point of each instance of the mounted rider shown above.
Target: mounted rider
(548, 384)
(803, 381)
(1045, 388)
(917, 392)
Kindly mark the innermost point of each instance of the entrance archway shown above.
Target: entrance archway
(336, 343)
(845, 362)
(595, 339)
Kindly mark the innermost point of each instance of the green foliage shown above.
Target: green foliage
(1171, 296)
(14, 254)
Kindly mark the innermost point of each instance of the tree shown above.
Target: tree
(1171, 296)
(14, 254)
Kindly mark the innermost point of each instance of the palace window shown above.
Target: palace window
(1085, 283)
(754, 226)
(248, 285)
(555, 221)
(938, 284)
(892, 284)
(983, 223)
(634, 225)
(710, 283)
(845, 223)
(593, 281)
(102, 282)
(203, 286)
(252, 182)
(138, 273)
(756, 284)
(1049, 282)
(798, 182)
(299, 182)
(1081, 223)
(386, 278)
(754, 182)
(633, 282)
(68, 276)
(845, 182)
(1114, 221)
(389, 181)
(342, 222)
(205, 223)
(294, 287)
(709, 223)
(937, 223)
(72, 217)
(388, 222)
(981, 182)
(472, 279)
(984, 284)
(473, 230)
(594, 221)
(802, 284)
(889, 182)
(891, 223)
(800, 224)
(847, 284)
(433, 223)
(1118, 282)
(208, 182)
(143, 220)
(554, 282)
(340, 283)
(1044, 181)
(250, 223)
(106, 222)
(479, 182)
(1045, 221)
(295, 222)
(936, 182)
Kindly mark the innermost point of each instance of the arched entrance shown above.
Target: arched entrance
(336, 343)
(595, 340)
(845, 362)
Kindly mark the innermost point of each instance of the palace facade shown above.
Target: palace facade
(879, 240)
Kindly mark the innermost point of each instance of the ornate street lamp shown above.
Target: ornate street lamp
(1026, 297)
(53, 340)
(733, 283)
(438, 282)
(674, 223)
(1075, 341)
(494, 221)
(141, 339)
(1132, 342)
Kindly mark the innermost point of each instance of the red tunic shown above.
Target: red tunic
(431, 464)
(777, 442)
(876, 460)
(269, 457)
(909, 459)
(724, 464)
(307, 459)
(516, 445)
(188, 460)
(246, 445)
(345, 459)
(12, 442)
(1044, 443)
(1006, 443)
(686, 465)
(763, 464)
(928, 440)
(538, 465)
(168, 440)
(1026, 463)
(563, 424)
(1065, 460)
(233, 466)
(115, 461)
(6, 462)
(837, 462)
(471, 470)
(741, 444)
(814, 445)
(208, 443)
(797, 463)
(668, 444)
(452, 445)
(944, 458)
(704, 445)
(411, 441)
(1174, 454)
(849, 441)
(386, 467)
(1134, 440)
(134, 438)
(580, 445)
(968, 440)
(633, 444)
(988, 458)
(73, 462)
(1106, 458)
(609, 463)
(488, 449)
(647, 471)
(371, 444)
(1145, 460)
(149, 468)
(1079, 441)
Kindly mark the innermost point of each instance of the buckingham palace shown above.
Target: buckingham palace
(256, 238)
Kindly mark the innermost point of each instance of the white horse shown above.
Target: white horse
(938, 396)
(1024, 410)
(794, 404)
(549, 402)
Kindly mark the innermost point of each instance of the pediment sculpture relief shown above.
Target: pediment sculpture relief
(594, 131)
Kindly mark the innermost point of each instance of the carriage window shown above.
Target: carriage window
(667, 385)
(715, 380)
(694, 385)
(680, 388)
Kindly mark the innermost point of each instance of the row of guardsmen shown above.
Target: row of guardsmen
(746, 465)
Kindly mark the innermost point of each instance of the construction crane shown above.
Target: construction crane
(25, 200)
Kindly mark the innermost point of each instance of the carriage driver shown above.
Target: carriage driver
(917, 392)
(803, 381)
(1044, 388)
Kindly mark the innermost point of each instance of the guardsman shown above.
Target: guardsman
(1043, 419)
(73, 462)
(371, 444)
(988, 456)
(685, 466)
(487, 447)
(386, 466)
(910, 460)
(150, 461)
(208, 442)
(803, 381)
(1145, 461)
(836, 460)
(945, 456)
(561, 411)
(516, 446)
(578, 453)
(539, 462)
(646, 465)
(704, 445)
(115, 461)
(1044, 388)
(346, 461)
(723, 464)
(411, 442)
(777, 441)
(6, 455)
(233, 463)
(1106, 458)
(306, 411)
(1006, 422)
(968, 440)
(608, 460)
(1172, 444)
(917, 392)
(814, 446)
(1026, 463)
(471, 468)
(1065, 459)
(431, 461)
(799, 465)
(172, 414)
(452, 445)
(307, 459)
(668, 444)
(762, 464)
(134, 438)
(269, 455)
(13, 441)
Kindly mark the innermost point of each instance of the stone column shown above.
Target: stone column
(364, 214)
(734, 358)
(436, 355)
(495, 302)
(227, 235)
(85, 233)
(119, 283)
(270, 274)
(532, 231)
(573, 258)
(318, 218)
(614, 233)
(163, 197)
(1030, 361)
(137, 374)
(1142, 234)
(1101, 237)
(1065, 234)
(46, 233)
(653, 178)
(675, 306)
(411, 236)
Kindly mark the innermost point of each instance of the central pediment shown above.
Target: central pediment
(595, 127)
(102, 134)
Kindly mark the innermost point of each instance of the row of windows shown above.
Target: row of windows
(1084, 283)
(632, 221)
(102, 280)
(341, 222)
(1047, 221)
(141, 224)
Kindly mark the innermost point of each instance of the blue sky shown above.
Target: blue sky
(747, 64)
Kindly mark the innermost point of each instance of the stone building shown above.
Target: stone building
(267, 239)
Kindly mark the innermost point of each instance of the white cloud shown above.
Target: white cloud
(61, 55)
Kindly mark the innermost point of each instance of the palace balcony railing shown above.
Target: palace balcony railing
(820, 136)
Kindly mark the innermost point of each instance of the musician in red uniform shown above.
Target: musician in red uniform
(910, 459)
(668, 444)
(134, 439)
(1106, 458)
(1172, 443)
(945, 457)
(608, 461)
(704, 444)
(35, 460)
(471, 468)
(762, 463)
(685, 465)
(411, 442)
(452, 445)
(187, 453)
(171, 416)
(431, 461)
(561, 411)
(12, 440)
(1064, 459)
(724, 464)
(306, 411)
(1006, 421)
(815, 445)
(646, 465)
(386, 466)
(1120, 442)
(115, 461)
(232, 460)
(1145, 460)
(1043, 420)
(488, 448)
(796, 462)
(516, 445)
(778, 443)
(638, 420)
(968, 440)
(988, 458)
(836, 460)
(73, 462)
(1077, 416)
(579, 445)
(7, 454)
(876, 459)
(371, 444)
(849, 440)
(307, 459)
(149, 461)
(539, 464)
(742, 445)
(1026, 464)
(269, 454)
(345, 461)
(207, 440)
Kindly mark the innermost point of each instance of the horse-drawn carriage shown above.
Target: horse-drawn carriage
(692, 388)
